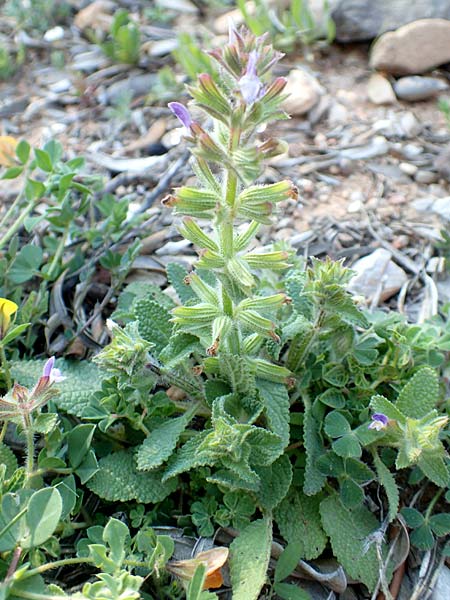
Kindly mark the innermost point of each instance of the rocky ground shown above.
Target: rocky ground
(369, 147)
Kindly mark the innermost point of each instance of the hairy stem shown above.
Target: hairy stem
(5, 368)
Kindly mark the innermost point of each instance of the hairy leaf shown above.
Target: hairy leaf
(387, 480)
(348, 530)
(176, 275)
(420, 395)
(249, 559)
(434, 467)
(276, 402)
(154, 323)
(8, 458)
(314, 479)
(380, 404)
(275, 482)
(189, 456)
(118, 480)
(161, 442)
(299, 522)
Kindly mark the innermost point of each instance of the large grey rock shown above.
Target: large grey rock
(358, 20)
(414, 87)
(414, 48)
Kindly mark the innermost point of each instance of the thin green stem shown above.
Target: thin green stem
(433, 504)
(11, 209)
(14, 520)
(52, 271)
(3, 431)
(11, 232)
(5, 367)
(64, 562)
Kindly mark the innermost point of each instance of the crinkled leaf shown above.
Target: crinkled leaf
(118, 480)
(298, 520)
(189, 456)
(434, 467)
(176, 275)
(249, 559)
(276, 402)
(387, 480)
(160, 444)
(314, 479)
(380, 404)
(348, 530)
(275, 482)
(154, 323)
(420, 395)
(8, 458)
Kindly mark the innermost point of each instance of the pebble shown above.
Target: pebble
(408, 168)
(441, 206)
(415, 88)
(423, 176)
(442, 163)
(377, 276)
(55, 34)
(96, 15)
(304, 91)
(337, 114)
(410, 151)
(412, 49)
(380, 90)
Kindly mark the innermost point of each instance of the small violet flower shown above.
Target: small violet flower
(182, 113)
(250, 84)
(54, 375)
(379, 421)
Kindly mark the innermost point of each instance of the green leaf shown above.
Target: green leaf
(276, 402)
(380, 404)
(88, 467)
(351, 493)
(347, 446)
(14, 332)
(249, 559)
(348, 530)
(358, 471)
(434, 467)
(43, 160)
(118, 479)
(440, 524)
(34, 190)
(176, 275)
(189, 456)
(79, 442)
(333, 398)
(336, 374)
(336, 425)
(314, 479)
(115, 535)
(290, 591)
(154, 323)
(23, 151)
(161, 442)
(422, 537)
(26, 264)
(67, 489)
(194, 591)
(76, 392)
(275, 482)
(42, 518)
(288, 561)
(387, 480)
(8, 458)
(298, 520)
(420, 395)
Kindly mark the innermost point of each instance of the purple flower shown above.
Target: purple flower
(181, 112)
(250, 84)
(379, 421)
(233, 34)
(54, 375)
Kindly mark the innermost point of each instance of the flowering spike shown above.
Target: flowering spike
(182, 113)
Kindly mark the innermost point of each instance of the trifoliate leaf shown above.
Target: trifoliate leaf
(76, 392)
(348, 530)
(276, 402)
(275, 482)
(351, 493)
(420, 395)
(249, 559)
(336, 424)
(387, 480)
(299, 522)
(422, 537)
(440, 524)
(118, 480)
(412, 517)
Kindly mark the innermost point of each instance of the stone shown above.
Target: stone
(96, 16)
(414, 48)
(380, 90)
(408, 168)
(442, 163)
(414, 88)
(358, 20)
(424, 176)
(442, 585)
(377, 276)
(304, 91)
(441, 207)
(337, 114)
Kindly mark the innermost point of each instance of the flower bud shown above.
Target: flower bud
(182, 113)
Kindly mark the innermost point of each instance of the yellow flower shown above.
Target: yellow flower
(7, 308)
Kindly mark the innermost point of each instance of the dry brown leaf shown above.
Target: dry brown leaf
(8, 151)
